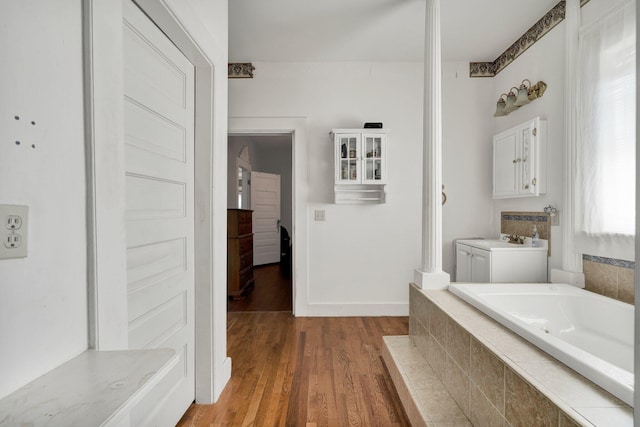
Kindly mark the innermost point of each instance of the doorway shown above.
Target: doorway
(255, 160)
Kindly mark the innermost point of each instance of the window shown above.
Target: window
(605, 154)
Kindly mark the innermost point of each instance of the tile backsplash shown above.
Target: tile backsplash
(613, 278)
(521, 223)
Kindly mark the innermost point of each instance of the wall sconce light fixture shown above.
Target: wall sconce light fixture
(517, 97)
(500, 106)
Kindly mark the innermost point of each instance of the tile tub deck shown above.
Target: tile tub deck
(495, 377)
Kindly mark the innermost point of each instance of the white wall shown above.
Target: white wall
(43, 298)
(466, 157)
(362, 257)
(543, 61)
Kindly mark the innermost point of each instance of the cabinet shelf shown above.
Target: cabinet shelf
(359, 195)
(350, 190)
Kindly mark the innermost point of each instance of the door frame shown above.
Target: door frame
(105, 182)
(297, 127)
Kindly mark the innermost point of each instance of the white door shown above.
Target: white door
(481, 266)
(159, 136)
(505, 163)
(265, 202)
(463, 263)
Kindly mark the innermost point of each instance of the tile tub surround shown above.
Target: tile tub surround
(610, 277)
(498, 378)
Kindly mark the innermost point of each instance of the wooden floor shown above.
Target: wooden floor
(306, 372)
(271, 291)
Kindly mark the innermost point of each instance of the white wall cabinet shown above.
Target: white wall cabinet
(360, 165)
(490, 261)
(520, 160)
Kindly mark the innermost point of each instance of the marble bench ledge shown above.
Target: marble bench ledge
(95, 388)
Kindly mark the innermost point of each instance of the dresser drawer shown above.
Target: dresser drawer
(246, 244)
(246, 260)
(246, 276)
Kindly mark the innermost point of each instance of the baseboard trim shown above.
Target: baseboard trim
(357, 309)
(221, 380)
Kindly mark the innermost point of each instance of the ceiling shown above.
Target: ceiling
(374, 30)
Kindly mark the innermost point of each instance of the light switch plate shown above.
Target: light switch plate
(14, 227)
(318, 215)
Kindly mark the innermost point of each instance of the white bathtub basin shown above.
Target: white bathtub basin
(590, 333)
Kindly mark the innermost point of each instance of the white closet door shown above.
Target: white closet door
(265, 202)
(159, 136)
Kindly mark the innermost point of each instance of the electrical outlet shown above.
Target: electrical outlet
(318, 215)
(13, 241)
(14, 222)
(14, 233)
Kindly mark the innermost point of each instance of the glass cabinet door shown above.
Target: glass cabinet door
(374, 159)
(349, 153)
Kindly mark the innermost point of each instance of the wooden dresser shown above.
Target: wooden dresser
(239, 251)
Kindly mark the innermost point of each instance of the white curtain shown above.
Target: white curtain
(605, 155)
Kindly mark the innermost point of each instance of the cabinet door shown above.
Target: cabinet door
(463, 263)
(347, 158)
(374, 152)
(481, 266)
(505, 164)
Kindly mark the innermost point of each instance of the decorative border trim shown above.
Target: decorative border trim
(482, 69)
(610, 261)
(240, 70)
(528, 39)
(536, 218)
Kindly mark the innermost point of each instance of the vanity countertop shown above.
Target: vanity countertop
(500, 244)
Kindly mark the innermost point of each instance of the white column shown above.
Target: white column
(430, 275)
(571, 264)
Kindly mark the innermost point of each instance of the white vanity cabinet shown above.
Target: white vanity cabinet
(360, 165)
(520, 160)
(496, 261)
